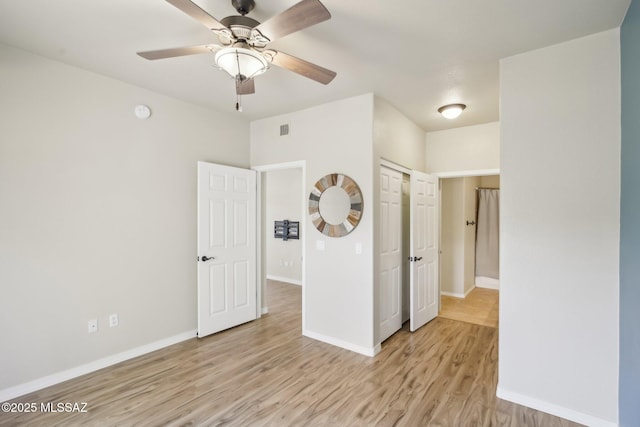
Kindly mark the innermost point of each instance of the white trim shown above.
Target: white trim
(53, 379)
(550, 408)
(487, 282)
(298, 164)
(284, 279)
(477, 172)
(367, 351)
(391, 165)
(457, 294)
(259, 297)
(265, 310)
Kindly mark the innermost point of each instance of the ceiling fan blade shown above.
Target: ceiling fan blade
(194, 11)
(246, 87)
(178, 51)
(297, 17)
(302, 67)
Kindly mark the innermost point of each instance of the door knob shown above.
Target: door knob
(418, 258)
(207, 258)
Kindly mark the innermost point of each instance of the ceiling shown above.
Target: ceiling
(416, 54)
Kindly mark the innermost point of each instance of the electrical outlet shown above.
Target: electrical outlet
(113, 320)
(93, 326)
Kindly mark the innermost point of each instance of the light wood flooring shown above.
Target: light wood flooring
(265, 373)
(480, 307)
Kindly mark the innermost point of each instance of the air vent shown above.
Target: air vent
(284, 129)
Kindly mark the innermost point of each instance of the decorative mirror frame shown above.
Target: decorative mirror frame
(355, 209)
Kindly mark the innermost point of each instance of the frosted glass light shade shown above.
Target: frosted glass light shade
(238, 61)
(451, 111)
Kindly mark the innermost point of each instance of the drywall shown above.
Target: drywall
(470, 148)
(396, 138)
(457, 239)
(338, 282)
(98, 213)
(283, 200)
(452, 237)
(560, 185)
(630, 227)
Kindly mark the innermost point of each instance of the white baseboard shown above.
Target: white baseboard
(264, 310)
(367, 351)
(49, 380)
(553, 409)
(456, 294)
(487, 282)
(284, 279)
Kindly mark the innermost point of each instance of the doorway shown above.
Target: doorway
(469, 277)
(282, 197)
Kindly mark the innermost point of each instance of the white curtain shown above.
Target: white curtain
(487, 238)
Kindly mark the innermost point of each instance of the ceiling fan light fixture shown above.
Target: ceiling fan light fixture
(451, 111)
(240, 62)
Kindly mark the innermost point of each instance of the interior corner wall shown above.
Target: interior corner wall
(338, 282)
(396, 138)
(399, 140)
(283, 201)
(469, 148)
(98, 214)
(560, 212)
(629, 388)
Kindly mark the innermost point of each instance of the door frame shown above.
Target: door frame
(260, 267)
(404, 170)
(457, 174)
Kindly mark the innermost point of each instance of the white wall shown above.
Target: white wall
(283, 200)
(560, 195)
(338, 283)
(396, 138)
(457, 257)
(470, 148)
(452, 237)
(97, 214)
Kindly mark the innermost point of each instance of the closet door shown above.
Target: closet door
(390, 283)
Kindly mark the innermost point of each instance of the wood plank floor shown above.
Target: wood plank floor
(265, 373)
(479, 307)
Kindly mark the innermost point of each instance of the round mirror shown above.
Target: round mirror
(335, 205)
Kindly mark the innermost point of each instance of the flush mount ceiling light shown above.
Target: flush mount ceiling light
(451, 111)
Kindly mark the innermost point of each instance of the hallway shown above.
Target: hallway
(480, 307)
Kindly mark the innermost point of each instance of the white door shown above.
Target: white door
(424, 249)
(390, 278)
(227, 281)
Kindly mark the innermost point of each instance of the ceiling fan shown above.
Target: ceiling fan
(243, 51)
